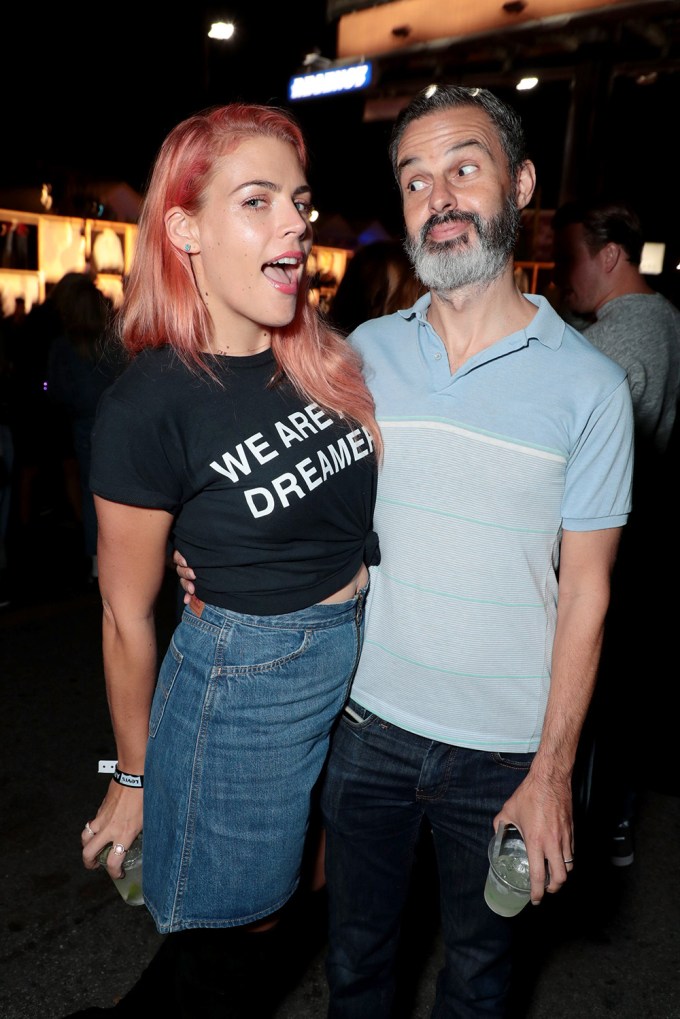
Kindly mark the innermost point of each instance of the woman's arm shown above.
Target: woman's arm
(132, 549)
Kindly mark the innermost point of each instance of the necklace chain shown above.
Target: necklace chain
(250, 350)
(229, 353)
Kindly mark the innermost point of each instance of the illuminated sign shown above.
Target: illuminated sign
(330, 82)
(653, 254)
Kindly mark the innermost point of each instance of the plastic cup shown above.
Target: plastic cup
(508, 887)
(130, 884)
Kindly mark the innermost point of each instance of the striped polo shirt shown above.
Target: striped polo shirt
(482, 471)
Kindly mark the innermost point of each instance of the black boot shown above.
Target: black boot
(227, 973)
(154, 991)
(207, 973)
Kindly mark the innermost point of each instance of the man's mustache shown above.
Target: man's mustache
(441, 219)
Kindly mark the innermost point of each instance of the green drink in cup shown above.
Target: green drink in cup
(508, 885)
(130, 884)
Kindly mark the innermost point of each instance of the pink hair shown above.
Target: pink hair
(162, 304)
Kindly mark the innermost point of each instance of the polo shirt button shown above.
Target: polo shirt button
(437, 356)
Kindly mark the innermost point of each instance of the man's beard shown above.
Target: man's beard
(448, 265)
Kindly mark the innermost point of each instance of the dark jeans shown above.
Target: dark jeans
(382, 784)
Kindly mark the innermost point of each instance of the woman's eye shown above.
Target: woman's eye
(304, 208)
(254, 203)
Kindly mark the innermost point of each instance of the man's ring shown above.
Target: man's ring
(119, 849)
(88, 829)
(568, 861)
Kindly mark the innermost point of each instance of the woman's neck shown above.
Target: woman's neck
(242, 348)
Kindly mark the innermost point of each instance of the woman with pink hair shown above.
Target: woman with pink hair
(243, 433)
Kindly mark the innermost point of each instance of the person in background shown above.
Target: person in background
(379, 279)
(501, 500)
(242, 430)
(598, 251)
(45, 465)
(16, 317)
(6, 465)
(80, 367)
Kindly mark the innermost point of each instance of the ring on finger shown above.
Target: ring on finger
(88, 829)
(119, 849)
(567, 862)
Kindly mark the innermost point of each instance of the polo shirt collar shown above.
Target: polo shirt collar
(547, 326)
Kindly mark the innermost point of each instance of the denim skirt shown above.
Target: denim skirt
(238, 735)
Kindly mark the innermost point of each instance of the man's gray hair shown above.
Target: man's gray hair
(438, 98)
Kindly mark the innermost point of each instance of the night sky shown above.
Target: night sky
(94, 96)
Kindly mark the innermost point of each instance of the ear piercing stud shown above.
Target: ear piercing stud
(187, 247)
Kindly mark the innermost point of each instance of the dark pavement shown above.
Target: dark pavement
(607, 946)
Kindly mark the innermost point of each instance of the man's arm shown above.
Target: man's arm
(186, 575)
(542, 805)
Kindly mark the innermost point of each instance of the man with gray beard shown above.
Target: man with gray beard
(508, 453)
(482, 263)
(508, 443)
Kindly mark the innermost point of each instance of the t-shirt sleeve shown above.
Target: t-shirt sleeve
(600, 470)
(132, 456)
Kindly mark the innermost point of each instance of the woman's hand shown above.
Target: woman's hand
(117, 823)
(186, 575)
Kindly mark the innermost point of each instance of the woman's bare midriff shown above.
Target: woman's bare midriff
(349, 590)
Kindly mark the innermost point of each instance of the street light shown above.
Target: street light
(221, 30)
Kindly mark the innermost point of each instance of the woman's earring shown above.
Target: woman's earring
(187, 247)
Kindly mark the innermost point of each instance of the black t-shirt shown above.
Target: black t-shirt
(273, 499)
